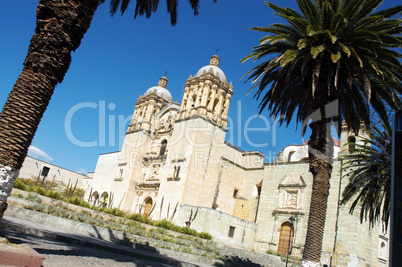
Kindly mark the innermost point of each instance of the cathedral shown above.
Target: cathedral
(176, 165)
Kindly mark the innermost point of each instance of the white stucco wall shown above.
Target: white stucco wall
(32, 168)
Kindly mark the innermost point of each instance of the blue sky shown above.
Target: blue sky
(120, 58)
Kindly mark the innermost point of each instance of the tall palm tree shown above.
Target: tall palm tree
(368, 170)
(60, 27)
(333, 60)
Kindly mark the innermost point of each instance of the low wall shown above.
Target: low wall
(218, 224)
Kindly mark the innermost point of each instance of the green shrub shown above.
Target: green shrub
(77, 201)
(118, 212)
(19, 195)
(54, 194)
(19, 184)
(139, 218)
(107, 210)
(167, 238)
(97, 208)
(28, 182)
(79, 192)
(38, 189)
(167, 225)
(84, 212)
(33, 197)
(151, 234)
(204, 235)
(132, 223)
(186, 250)
(37, 207)
(161, 231)
(187, 231)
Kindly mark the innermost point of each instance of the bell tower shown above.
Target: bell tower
(199, 135)
(349, 138)
(154, 99)
(208, 94)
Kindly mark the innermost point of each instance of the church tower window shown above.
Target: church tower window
(291, 153)
(163, 148)
(176, 172)
(352, 143)
(235, 193)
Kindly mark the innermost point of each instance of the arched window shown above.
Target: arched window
(194, 97)
(285, 238)
(352, 143)
(216, 101)
(163, 148)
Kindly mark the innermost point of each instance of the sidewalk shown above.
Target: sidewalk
(62, 248)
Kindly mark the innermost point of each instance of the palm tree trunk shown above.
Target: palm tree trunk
(60, 27)
(321, 158)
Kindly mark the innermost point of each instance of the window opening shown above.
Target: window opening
(291, 153)
(176, 172)
(231, 231)
(235, 193)
(258, 187)
(352, 143)
(45, 171)
(163, 148)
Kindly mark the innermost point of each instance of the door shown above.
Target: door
(284, 237)
(148, 207)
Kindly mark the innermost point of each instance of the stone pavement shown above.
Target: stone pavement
(70, 249)
(60, 254)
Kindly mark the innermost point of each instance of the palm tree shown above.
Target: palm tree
(368, 169)
(333, 60)
(60, 27)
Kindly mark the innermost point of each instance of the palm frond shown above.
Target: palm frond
(368, 170)
(147, 7)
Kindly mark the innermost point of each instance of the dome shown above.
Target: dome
(160, 90)
(214, 64)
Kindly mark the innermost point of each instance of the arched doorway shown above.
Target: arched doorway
(148, 207)
(285, 235)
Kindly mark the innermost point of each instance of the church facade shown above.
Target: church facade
(176, 165)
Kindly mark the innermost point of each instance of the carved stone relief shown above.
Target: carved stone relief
(166, 122)
(155, 172)
(290, 200)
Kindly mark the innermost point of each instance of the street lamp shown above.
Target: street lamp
(291, 221)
